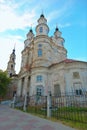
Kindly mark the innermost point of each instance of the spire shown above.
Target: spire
(14, 49)
(57, 33)
(31, 29)
(56, 28)
(30, 35)
(42, 15)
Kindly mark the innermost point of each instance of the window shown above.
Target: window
(39, 90)
(39, 45)
(13, 59)
(39, 78)
(79, 92)
(10, 75)
(11, 66)
(78, 89)
(39, 52)
(41, 29)
(76, 75)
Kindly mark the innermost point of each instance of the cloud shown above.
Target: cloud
(61, 12)
(18, 15)
(12, 17)
(9, 19)
(64, 25)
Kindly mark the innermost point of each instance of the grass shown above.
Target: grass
(73, 124)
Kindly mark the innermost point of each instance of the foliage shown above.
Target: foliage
(4, 82)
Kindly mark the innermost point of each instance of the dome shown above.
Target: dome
(42, 15)
(31, 30)
(56, 29)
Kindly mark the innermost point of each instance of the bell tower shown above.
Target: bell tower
(11, 64)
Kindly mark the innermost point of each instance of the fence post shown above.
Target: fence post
(14, 100)
(49, 106)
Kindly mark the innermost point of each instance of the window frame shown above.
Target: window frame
(39, 52)
(76, 75)
(39, 46)
(41, 29)
(39, 90)
(39, 78)
(79, 92)
(11, 66)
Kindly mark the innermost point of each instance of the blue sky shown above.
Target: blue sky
(17, 17)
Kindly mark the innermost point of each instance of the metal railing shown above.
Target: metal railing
(65, 106)
(70, 107)
(37, 105)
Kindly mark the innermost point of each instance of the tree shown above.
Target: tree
(4, 82)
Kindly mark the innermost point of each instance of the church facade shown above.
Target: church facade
(45, 66)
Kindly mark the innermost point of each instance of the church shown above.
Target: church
(45, 66)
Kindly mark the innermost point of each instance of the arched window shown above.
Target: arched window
(10, 75)
(41, 29)
(76, 75)
(39, 45)
(39, 52)
(39, 78)
(11, 66)
(39, 90)
(78, 88)
(13, 59)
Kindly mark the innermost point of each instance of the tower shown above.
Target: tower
(11, 64)
(42, 27)
(30, 37)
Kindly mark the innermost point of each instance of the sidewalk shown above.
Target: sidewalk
(11, 119)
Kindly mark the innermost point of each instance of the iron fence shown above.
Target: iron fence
(70, 107)
(65, 106)
(37, 105)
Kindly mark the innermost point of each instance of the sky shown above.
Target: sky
(18, 16)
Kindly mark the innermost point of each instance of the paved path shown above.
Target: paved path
(11, 119)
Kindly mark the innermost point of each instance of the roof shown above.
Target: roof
(67, 61)
(42, 15)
